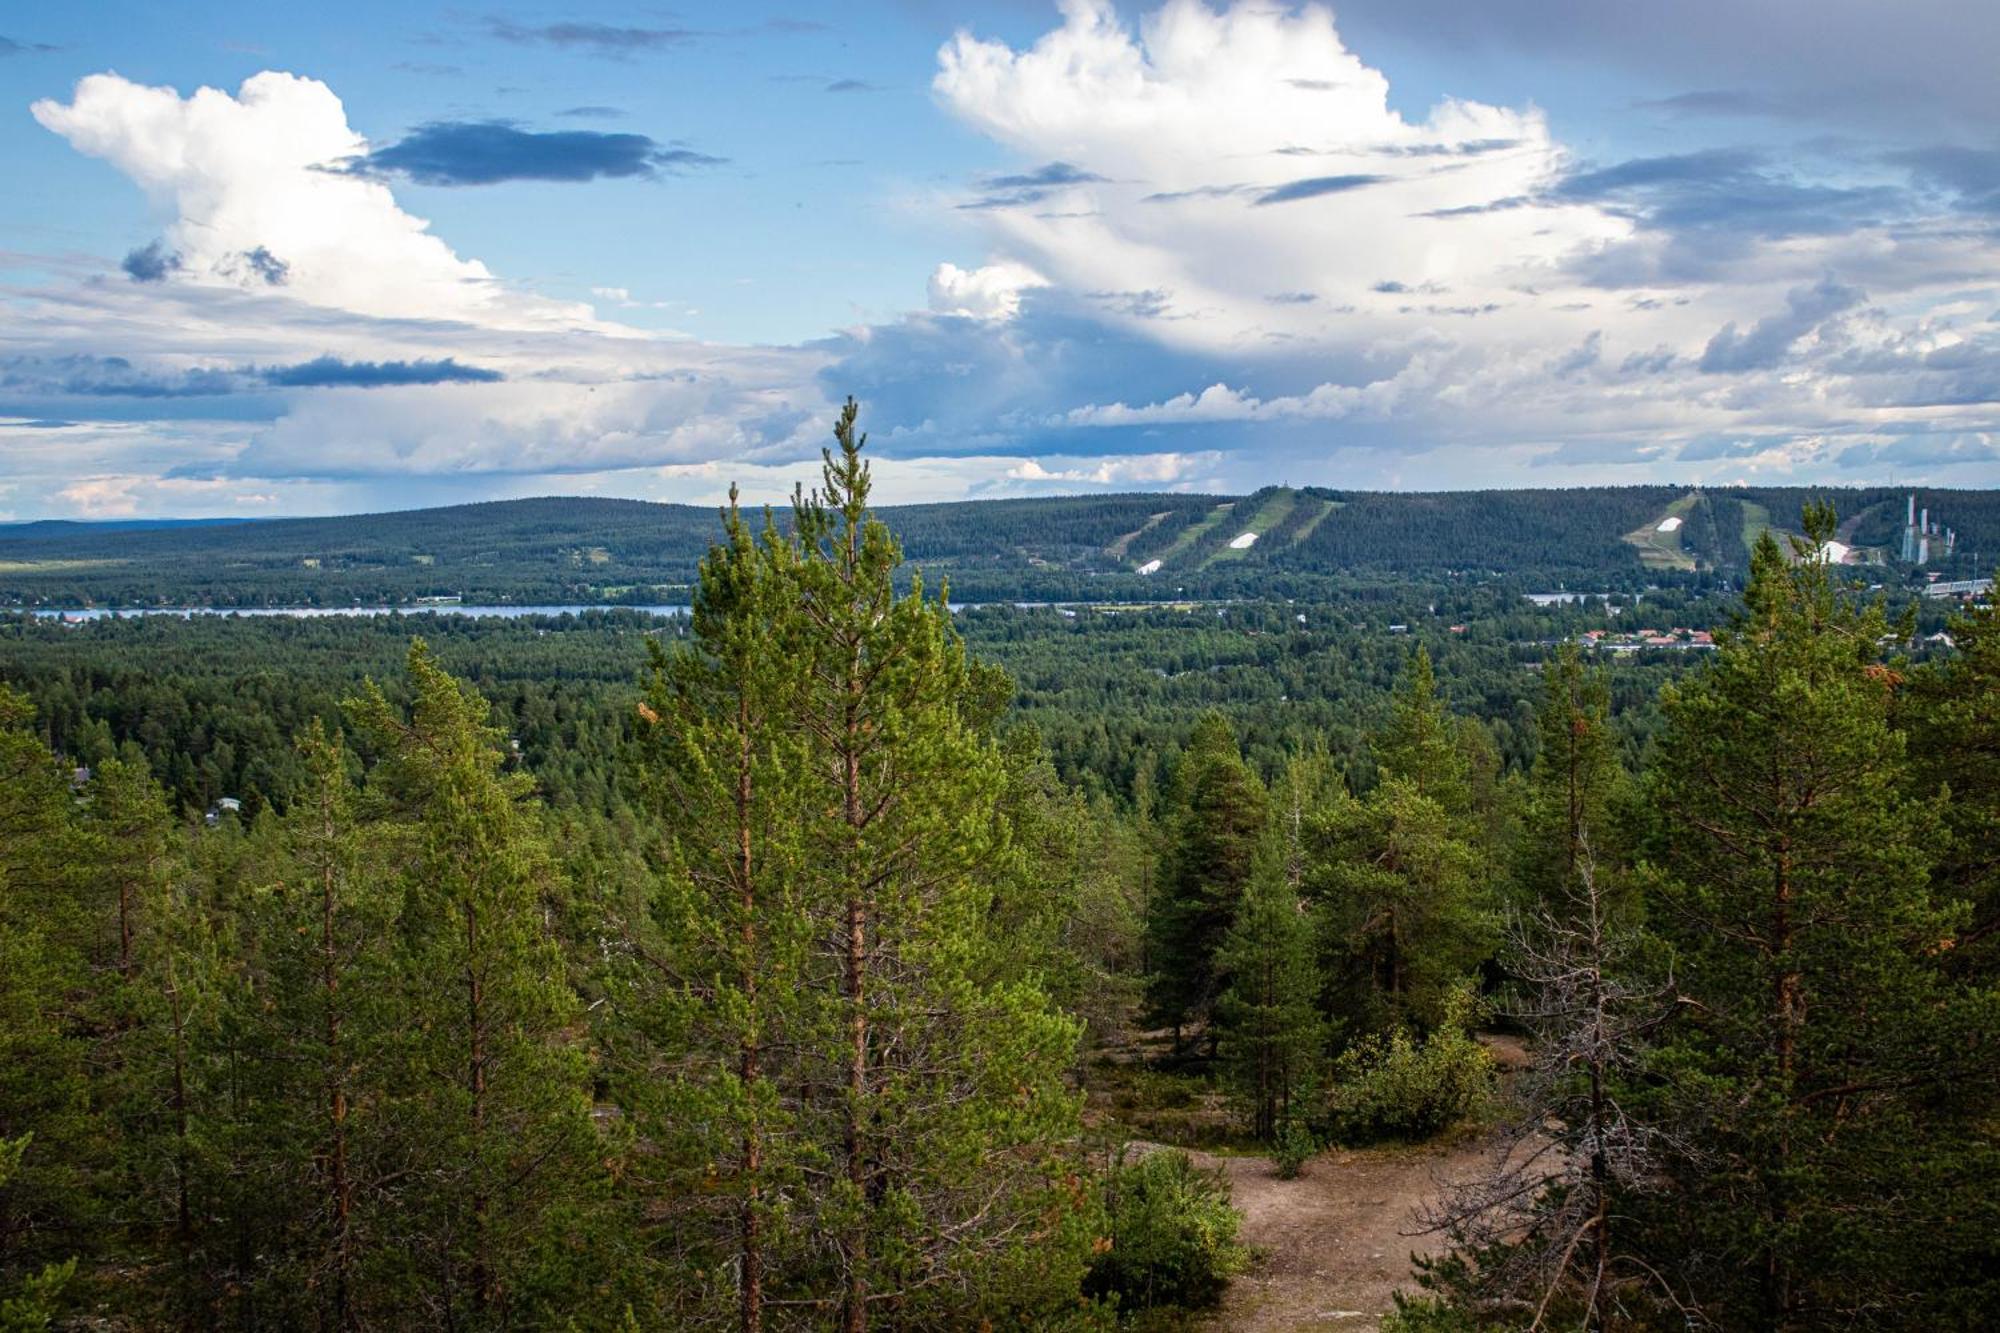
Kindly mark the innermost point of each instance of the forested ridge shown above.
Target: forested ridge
(1099, 548)
(826, 958)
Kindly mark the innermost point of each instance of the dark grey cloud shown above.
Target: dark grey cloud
(1766, 342)
(1712, 448)
(10, 47)
(1580, 358)
(83, 376)
(1919, 450)
(267, 266)
(591, 113)
(1512, 201)
(332, 372)
(1887, 68)
(1724, 102)
(598, 38)
(1047, 176)
(1732, 190)
(1469, 148)
(151, 262)
(852, 86)
(1656, 362)
(1029, 187)
(1197, 192)
(490, 151)
(1315, 186)
(1153, 303)
(1915, 372)
(1971, 174)
(1292, 298)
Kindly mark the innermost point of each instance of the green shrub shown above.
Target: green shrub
(1425, 1314)
(1401, 1088)
(1173, 1235)
(1293, 1147)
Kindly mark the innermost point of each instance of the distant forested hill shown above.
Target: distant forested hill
(1085, 548)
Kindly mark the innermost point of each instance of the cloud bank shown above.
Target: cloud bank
(1215, 252)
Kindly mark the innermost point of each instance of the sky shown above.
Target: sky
(264, 259)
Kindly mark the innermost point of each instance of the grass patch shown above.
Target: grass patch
(1194, 532)
(56, 566)
(1756, 521)
(1665, 550)
(1274, 511)
(1179, 1107)
(1313, 520)
(1122, 544)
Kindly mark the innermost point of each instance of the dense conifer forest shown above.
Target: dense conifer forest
(829, 957)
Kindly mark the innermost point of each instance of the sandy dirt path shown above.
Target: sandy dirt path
(1335, 1242)
(1332, 1243)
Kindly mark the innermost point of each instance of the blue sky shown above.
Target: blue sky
(263, 259)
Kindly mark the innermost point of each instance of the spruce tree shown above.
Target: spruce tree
(1215, 821)
(491, 1104)
(1822, 1050)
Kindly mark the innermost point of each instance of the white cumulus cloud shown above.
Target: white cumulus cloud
(1229, 178)
(254, 187)
(992, 292)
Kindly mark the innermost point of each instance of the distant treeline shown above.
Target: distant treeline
(1082, 548)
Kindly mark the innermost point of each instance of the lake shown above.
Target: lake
(311, 612)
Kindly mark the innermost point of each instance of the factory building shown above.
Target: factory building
(1924, 537)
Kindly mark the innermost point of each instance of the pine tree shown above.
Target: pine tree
(723, 949)
(327, 953)
(164, 960)
(1404, 913)
(948, 1069)
(1269, 1015)
(52, 1142)
(490, 1098)
(1217, 815)
(1575, 790)
(1952, 709)
(1422, 745)
(1821, 1047)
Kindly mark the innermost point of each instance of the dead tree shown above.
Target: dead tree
(1538, 1235)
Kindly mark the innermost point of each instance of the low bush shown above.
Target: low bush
(1425, 1314)
(1173, 1235)
(1397, 1087)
